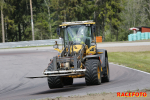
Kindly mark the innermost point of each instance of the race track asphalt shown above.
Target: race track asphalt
(16, 65)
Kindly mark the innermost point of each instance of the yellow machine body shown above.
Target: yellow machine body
(76, 48)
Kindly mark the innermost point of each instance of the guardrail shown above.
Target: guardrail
(30, 43)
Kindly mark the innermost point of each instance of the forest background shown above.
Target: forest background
(113, 17)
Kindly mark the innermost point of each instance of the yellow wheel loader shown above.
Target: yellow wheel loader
(78, 58)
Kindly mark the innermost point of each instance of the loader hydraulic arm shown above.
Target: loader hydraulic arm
(88, 51)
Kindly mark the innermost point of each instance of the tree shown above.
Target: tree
(2, 21)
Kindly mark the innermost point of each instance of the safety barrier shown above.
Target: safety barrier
(139, 36)
(99, 39)
(30, 43)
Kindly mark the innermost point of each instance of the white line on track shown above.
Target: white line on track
(131, 68)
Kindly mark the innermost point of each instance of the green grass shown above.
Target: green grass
(136, 60)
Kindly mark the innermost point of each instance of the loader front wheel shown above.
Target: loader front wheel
(54, 82)
(93, 72)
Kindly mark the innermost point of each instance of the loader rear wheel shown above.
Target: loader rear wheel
(54, 82)
(106, 77)
(93, 72)
(67, 80)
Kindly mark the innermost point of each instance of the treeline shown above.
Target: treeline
(113, 17)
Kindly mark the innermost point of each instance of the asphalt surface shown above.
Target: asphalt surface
(15, 65)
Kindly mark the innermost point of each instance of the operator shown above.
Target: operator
(79, 37)
(81, 34)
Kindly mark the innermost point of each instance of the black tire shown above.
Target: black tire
(93, 72)
(54, 82)
(67, 80)
(106, 77)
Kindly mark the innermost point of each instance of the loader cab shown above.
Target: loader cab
(78, 33)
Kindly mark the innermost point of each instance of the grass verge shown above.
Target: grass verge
(136, 60)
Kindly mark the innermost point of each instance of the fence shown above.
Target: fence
(30, 43)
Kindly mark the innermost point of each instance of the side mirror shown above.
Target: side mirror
(93, 28)
(56, 45)
(58, 31)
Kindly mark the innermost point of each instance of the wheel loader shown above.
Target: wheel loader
(78, 57)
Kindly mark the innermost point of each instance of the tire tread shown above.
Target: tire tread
(91, 76)
(54, 82)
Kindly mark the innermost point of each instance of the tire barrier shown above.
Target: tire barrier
(139, 36)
